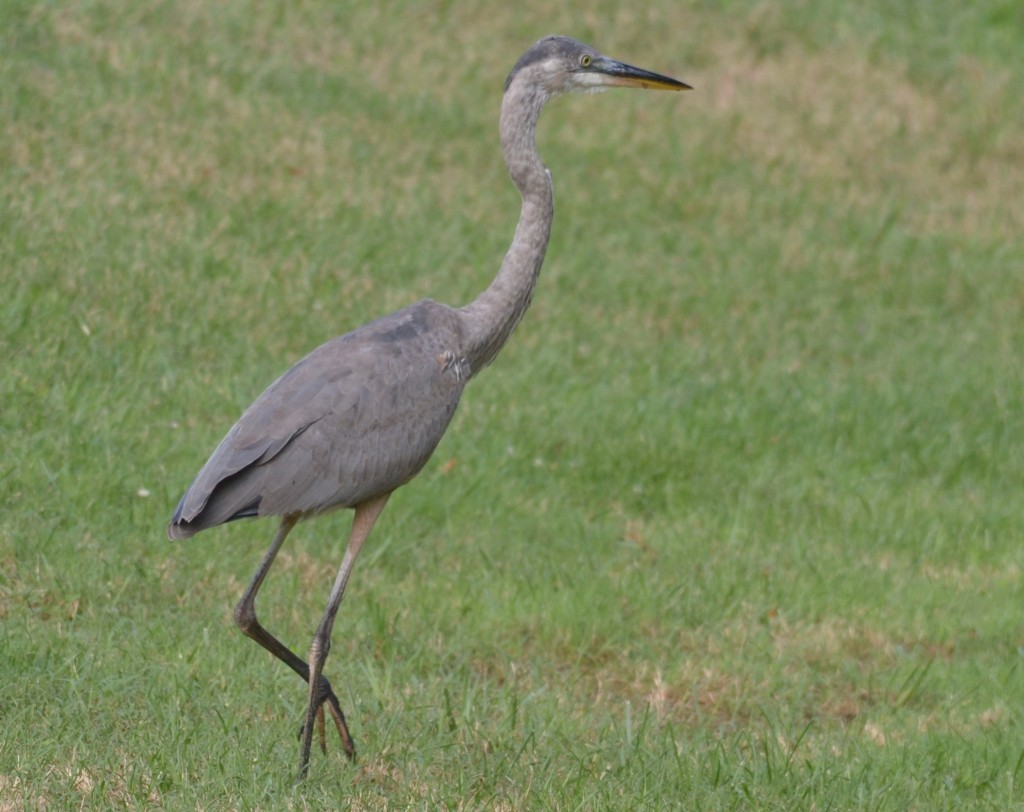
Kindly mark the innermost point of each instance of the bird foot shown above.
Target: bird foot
(325, 698)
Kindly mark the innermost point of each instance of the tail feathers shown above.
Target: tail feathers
(232, 498)
(181, 529)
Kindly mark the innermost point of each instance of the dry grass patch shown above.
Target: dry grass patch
(849, 119)
(61, 784)
(737, 672)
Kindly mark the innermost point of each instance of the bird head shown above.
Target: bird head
(564, 65)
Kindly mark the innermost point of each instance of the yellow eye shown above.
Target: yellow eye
(585, 61)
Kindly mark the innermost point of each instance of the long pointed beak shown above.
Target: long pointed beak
(619, 74)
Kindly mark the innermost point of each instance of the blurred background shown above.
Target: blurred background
(733, 521)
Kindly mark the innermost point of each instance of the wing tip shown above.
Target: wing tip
(178, 530)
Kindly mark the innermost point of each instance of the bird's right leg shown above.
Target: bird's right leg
(246, 620)
(366, 514)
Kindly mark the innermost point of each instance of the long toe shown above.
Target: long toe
(347, 745)
(327, 698)
(321, 730)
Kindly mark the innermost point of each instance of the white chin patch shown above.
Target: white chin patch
(588, 83)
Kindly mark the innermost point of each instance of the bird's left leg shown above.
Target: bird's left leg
(246, 620)
(362, 523)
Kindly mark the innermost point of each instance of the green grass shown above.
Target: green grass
(733, 523)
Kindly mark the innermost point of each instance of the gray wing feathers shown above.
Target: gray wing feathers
(355, 418)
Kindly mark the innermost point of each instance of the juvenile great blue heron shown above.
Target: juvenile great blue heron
(361, 415)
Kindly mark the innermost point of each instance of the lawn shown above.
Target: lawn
(735, 520)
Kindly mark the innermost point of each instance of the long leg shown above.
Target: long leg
(245, 619)
(362, 523)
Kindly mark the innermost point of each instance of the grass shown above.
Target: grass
(734, 522)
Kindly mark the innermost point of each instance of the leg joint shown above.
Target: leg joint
(245, 615)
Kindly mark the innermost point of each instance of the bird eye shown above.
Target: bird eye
(585, 61)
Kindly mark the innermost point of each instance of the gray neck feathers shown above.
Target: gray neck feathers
(494, 314)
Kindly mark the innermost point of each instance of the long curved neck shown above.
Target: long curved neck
(494, 314)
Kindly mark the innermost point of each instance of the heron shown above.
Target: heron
(360, 415)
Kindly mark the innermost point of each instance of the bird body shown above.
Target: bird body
(357, 417)
(360, 415)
